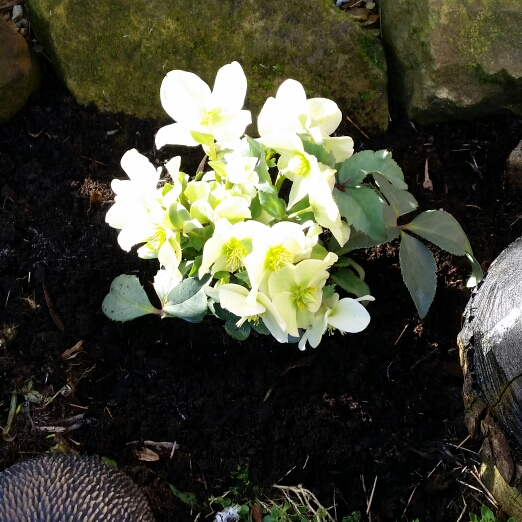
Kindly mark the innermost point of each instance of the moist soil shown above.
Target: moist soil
(373, 419)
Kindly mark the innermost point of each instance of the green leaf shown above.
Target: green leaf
(348, 281)
(418, 271)
(127, 300)
(202, 138)
(401, 201)
(260, 328)
(110, 462)
(318, 150)
(192, 310)
(476, 270)
(353, 170)
(362, 209)
(271, 202)
(178, 218)
(218, 167)
(187, 498)
(442, 229)
(348, 261)
(239, 333)
(188, 288)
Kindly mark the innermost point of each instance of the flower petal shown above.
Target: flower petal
(184, 95)
(140, 170)
(342, 147)
(325, 114)
(349, 316)
(175, 134)
(230, 87)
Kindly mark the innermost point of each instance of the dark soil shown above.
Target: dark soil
(382, 405)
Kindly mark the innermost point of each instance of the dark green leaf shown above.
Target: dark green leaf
(186, 289)
(362, 209)
(348, 281)
(442, 229)
(418, 271)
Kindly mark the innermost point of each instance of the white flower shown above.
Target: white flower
(234, 298)
(229, 245)
(345, 315)
(296, 291)
(188, 100)
(133, 196)
(272, 248)
(301, 168)
(290, 111)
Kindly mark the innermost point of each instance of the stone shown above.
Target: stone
(116, 53)
(513, 171)
(20, 73)
(454, 60)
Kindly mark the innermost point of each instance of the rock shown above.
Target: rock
(19, 71)
(117, 52)
(454, 60)
(514, 167)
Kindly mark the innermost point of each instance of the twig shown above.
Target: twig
(358, 128)
(92, 159)
(463, 509)
(409, 500)
(402, 333)
(486, 491)
(202, 164)
(52, 312)
(371, 496)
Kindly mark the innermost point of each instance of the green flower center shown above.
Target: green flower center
(211, 117)
(157, 239)
(235, 252)
(277, 257)
(299, 165)
(304, 297)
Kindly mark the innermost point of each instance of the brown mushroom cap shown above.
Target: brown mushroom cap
(72, 488)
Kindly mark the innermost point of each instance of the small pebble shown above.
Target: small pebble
(18, 13)
(370, 6)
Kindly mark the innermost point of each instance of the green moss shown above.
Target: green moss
(125, 48)
(367, 96)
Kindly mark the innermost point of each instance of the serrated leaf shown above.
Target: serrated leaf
(362, 209)
(401, 201)
(127, 300)
(348, 281)
(187, 289)
(418, 271)
(442, 229)
(318, 150)
(353, 170)
(192, 310)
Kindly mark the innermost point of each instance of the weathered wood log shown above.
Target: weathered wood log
(490, 345)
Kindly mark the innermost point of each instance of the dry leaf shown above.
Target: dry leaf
(146, 454)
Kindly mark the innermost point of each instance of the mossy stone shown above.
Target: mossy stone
(115, 53)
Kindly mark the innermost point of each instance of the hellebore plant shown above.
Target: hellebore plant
(261, 239)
